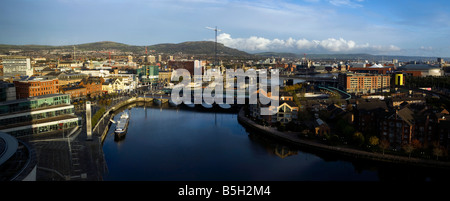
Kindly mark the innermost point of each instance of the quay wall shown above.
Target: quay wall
(293, 138)
(101, 128)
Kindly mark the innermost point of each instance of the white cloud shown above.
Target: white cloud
(426, 48)
(258, 44)
(348, 3)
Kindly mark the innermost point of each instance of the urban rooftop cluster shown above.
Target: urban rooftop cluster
(394, 106)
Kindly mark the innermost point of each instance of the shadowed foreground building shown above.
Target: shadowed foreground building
(38, 115)
(17, 160)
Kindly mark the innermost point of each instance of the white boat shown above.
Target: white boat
(122, 124)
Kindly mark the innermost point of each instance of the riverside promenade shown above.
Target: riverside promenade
(293, 137)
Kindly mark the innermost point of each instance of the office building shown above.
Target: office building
(148, 73)
(36, 86)
(17, 66)
(38, 115)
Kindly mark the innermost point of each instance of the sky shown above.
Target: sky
(388, 27)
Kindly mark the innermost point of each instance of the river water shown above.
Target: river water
(178, 144)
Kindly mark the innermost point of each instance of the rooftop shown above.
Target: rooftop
(31, 99)
(418, 67)
(17, 159)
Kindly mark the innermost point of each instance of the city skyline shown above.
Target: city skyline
(409, 28)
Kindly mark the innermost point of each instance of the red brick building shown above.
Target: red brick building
(93, 86)
(188, 65)
(74, 91)
(35, 87)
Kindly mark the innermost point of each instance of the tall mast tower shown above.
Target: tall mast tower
(215, 44)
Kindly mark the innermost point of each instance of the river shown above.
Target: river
(177, 144)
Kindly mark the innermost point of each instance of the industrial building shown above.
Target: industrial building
(421, 70)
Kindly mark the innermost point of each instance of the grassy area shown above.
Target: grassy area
(97, 116)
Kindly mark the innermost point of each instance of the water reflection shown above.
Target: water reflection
(272, 147)
(176, 143)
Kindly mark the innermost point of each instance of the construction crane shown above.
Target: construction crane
(148, 50)
(215, 44)
(109, 53)
(146, 56)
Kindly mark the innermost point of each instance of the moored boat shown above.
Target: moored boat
(122, 125)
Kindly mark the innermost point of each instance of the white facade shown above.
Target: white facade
(96, 73)
(17, 66)
(120, 84)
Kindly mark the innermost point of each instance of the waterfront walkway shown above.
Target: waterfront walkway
(293, 137)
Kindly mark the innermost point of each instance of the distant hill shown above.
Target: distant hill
(199, 48)
(278, 55)
(205, 48)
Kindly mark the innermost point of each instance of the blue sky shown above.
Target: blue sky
(395, 27)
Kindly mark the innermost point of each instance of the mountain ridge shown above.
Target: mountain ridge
(205, 48)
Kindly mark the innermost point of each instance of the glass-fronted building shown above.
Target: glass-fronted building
(37, 115)
(148, 73)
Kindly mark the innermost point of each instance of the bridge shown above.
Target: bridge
(344, 94)
(324, 81)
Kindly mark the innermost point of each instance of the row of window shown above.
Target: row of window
(34, 104)
(42, 89)
(44, 115)
(44, 129)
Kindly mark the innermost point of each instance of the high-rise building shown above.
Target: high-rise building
(17, 66)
